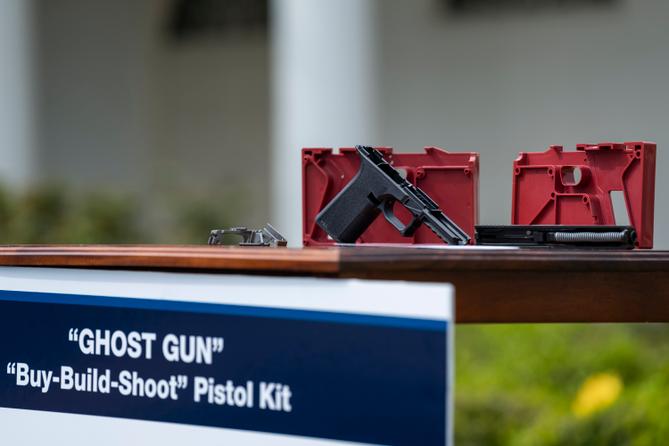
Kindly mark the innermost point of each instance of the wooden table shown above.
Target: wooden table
(491, 285)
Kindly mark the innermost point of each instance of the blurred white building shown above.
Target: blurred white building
(103, 93)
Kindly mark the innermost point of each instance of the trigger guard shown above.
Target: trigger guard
(389, 215)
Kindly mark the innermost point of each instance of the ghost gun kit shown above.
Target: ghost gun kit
(560, 199)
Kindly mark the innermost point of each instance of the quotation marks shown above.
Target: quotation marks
(73, 335)
(182, 381)
(11, 368)
(217, 345)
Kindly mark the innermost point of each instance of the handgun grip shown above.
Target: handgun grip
(351, 212)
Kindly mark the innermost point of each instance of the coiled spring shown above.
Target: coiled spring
(591, 237)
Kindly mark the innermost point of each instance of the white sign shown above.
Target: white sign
(121, 357)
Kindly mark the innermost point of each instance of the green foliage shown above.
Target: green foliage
(515, 385)
(53, 214)
(49, 214)
(197, 216)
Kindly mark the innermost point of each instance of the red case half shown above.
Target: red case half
(450, 179)
(547, 188)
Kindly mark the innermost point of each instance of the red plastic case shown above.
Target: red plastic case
(450, 179)
(547, 190)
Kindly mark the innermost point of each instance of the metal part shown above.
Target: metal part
(267, 236)
(565, 236)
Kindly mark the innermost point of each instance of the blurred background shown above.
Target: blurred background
(156, 120)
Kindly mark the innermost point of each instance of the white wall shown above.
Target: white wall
(519, 82)
(124, 107)
(94, 67)
(211, 124)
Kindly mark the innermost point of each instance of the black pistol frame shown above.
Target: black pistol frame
(374, 190)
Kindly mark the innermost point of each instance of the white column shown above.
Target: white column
(323, 91)
(17, 126)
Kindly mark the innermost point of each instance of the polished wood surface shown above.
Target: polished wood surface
(171, 257)
(491, 285)
(532, 285)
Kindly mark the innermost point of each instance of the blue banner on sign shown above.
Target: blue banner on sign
(353, 377)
